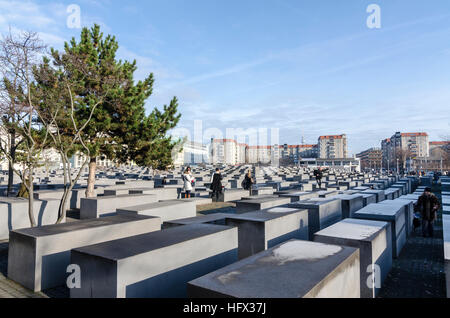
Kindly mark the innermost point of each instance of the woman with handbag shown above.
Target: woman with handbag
(188, 180)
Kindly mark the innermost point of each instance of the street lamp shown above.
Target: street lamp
(398, 169)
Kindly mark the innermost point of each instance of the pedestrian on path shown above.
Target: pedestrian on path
(319, 175)
(188, 182)
(428, 205)
(216, 184)
(248, 182)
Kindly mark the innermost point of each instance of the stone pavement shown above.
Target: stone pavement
(9, 289)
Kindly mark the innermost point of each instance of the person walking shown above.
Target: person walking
(216, 184)
(428, 205)
(319, 175)
(188, 182)
(248, 182)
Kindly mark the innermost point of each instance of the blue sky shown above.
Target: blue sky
(309, 68)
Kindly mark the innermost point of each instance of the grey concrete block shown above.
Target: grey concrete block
(402, 187)
(380, 196)
(368, 198)
(446, 209)
(232, 195)
(166, 193)
(445, 200)
(115, 192)
(166, 210)
(395, 214)
(264, 229)
(263, 190)
(321, 213)
(298, 196)
(154, 265)
(14, 214)
(199, 200)
(350, 204)
(92, 208)
(244, 206)
(38, 257)
(327, 271)
(408, 205)
(327, 194)
(214, 218)
(373, 238)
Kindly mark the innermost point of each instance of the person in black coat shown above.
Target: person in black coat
(428, 205)
(248, 182)
(216, 184)
(319, 175)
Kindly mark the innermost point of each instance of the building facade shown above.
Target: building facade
(401, 147)
(192, 153)
(331, 147)
(224, 151)
(371, 158)
(229, 151)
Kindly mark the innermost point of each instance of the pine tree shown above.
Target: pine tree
(119, 128)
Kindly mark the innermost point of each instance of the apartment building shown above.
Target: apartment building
(332, 147)
(371, 158)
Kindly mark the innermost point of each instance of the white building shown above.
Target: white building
(192, 153)
(224, 151)
(331, 147)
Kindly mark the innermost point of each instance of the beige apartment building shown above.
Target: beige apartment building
(331, 147)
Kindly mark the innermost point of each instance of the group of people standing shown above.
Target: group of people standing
(215, 183)
(189, 183)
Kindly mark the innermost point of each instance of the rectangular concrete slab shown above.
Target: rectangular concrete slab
(445, 200)
(166, 210)
(256, 204)
(368, 198)
(327, 271)
(446, 209)
(92, 208)
(408, 205)
(258, 231)
(350, 204)
(298, 196)
(214, 218)
(373, 238)
(394, 214)
(154, 265)
(321, 213)
(379, 194)
(14, 214)
(38, 257)
(232, 195)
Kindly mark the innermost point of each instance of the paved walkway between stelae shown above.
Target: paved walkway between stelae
(419, 271)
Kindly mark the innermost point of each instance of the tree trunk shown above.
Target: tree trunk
(31, 199)
(11, 171)
(90, 191)
(63, 205)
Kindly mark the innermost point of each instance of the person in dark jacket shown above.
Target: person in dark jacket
(248, 182)
(428, 205)
(319, 175)
(216, 184)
